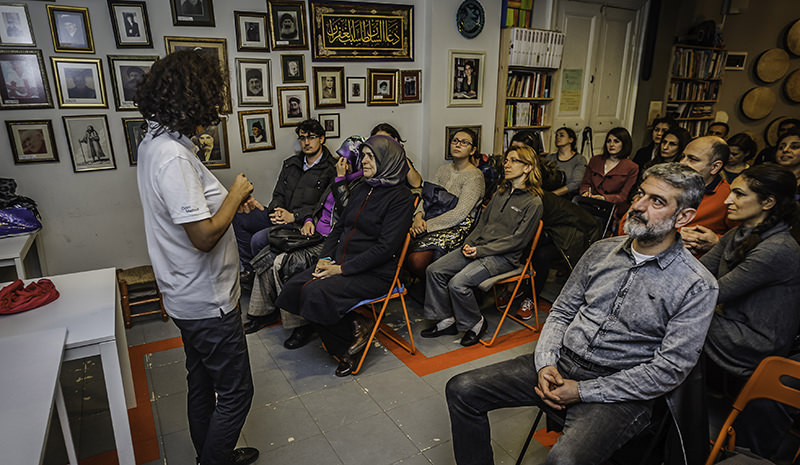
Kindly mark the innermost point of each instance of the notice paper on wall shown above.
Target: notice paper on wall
(571, 90)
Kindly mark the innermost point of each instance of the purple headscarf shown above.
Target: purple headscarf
(350, 151)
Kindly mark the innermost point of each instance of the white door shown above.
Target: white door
(597, 85)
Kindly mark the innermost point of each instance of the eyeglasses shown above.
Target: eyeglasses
(310, 138)
(460, 142)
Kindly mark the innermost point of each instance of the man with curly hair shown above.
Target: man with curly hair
(187, 218)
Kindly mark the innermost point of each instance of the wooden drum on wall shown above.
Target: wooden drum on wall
(772, 65)
(758, 102)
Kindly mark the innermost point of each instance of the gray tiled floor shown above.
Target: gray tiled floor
(301, 412)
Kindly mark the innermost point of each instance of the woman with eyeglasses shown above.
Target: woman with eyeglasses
(611, 176)
(494, 247)
(359, 255)
(438, 228)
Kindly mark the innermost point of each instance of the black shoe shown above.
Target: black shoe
(470, 338)
(433, 332)
(346, 366)
(300, 337)
(244, 456)
(362, 328)
(255, 323)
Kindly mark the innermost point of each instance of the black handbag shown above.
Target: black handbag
(289, 238)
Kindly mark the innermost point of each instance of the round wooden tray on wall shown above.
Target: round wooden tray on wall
(772, 65)
(758, 102)
(771, 133)
(793, 38)
(792, 86)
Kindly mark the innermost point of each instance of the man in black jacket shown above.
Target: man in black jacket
(298, 194)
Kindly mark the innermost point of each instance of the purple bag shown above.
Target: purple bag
(15, 221)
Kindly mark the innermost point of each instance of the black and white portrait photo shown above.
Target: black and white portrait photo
(288, 28)
(131, 24)
(15, 28)
(254, 82)
(70, 28)
(294, 105)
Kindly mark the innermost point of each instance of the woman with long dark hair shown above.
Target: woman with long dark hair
(359, 255)
(568, 160)
(611, 176)
(743, 149)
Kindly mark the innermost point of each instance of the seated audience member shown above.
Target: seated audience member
(568, 160)
(273, 268)
(788, 153)
(769, 153)
(757, 265)
(298, 194)
(673, 141)
(718, 129)
(611, 176)
(530, 138)
(626, 329)
(652, 150)
(742, 148)
(359, 255)
(494, 247)
(437, 235)
(414, 179)
(707, 155)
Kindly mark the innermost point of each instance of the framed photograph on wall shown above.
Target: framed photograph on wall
(288, 25)
(130, 23)
(135, 130)
(23, 80)
(356, 89)
(450, 132)
(126, 71)
(255, 82)
(32, 141)
(256, 130)
(192, 12)
(294, 106)
(70, 28)
(15, 26)
(410, 86)
(212, 145)
(293, 68)
(330, 122)
(89, 143)
(382, 88)
(466, 78)
(217, 47)
(251, 31)
(79, 82)
(328, 86)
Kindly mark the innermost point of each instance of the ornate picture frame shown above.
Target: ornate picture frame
(256, 130)
(294, 105)
(293, 68)
(254, 78)
(381, 87)
(410, 85)
(217, 46)
(288, 25)
(192, 12)
(328, 86)
(251, 31)
(89, 141)
(70, 29)
(23, 80)
(126, 71)
(356, 89)
(130, 23)
(465, 88)
(15, 26)
(79, 82)
(32, 141)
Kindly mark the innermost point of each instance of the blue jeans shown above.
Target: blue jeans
(220, 386)
(592, 431)
(252, 234)
(449, 283)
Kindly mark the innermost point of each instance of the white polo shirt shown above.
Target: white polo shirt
(175, 189)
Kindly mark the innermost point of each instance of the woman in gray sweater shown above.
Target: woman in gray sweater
(758, 309)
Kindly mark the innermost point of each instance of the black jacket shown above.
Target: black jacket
(303, 192)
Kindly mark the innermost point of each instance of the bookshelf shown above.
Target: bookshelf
(694, 86)
(529, 61)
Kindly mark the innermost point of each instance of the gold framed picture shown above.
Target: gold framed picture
(256, 130)
(217, 47)
(382, 87)
(79, 82)
(70, 28)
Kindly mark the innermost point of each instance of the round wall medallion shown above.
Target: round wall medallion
(758, 102)
(772, 65)
(793, 38)
(792, 86)
(470, 18)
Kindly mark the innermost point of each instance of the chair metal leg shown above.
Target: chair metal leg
(535, 304)
(530, 437)
(372, 335)
(513, 317)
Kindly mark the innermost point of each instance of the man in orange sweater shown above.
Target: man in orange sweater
(707, 155)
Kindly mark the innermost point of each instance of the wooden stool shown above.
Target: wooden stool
(137, 286)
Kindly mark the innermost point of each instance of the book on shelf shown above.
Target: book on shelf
(535, 48)
(529, 85)
(698, 63)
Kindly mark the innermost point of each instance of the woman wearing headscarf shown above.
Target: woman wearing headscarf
(359, 255)
(273, 268)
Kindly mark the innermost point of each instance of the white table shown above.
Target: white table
(14, 250)
(87, 307)
(31, 364)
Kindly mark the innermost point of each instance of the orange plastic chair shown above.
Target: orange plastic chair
(764, 383)
(517, 275)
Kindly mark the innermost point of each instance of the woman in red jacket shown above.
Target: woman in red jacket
(611, 176)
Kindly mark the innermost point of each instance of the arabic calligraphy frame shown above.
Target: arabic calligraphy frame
(321, 10)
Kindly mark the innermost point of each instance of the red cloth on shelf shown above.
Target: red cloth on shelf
(16, 297)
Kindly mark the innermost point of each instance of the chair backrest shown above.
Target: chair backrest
(534, 243)
(602, 210)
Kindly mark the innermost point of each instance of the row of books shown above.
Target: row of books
(690, 110)
(516, 13)
(524, 114)
(696, 128)
(529, 85)
(698, 63)
(536, 48)
(694, 90)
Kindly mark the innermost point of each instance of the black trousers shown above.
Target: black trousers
(219, 381)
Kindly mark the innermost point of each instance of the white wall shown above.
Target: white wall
(94, 219)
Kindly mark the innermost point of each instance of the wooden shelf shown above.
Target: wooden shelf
(531, 99)
(526, 127)
(699, 47)
(692, 101)
(697, 118)
(695, 78)
(530, 69)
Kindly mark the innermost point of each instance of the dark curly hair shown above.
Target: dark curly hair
(182, 91)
